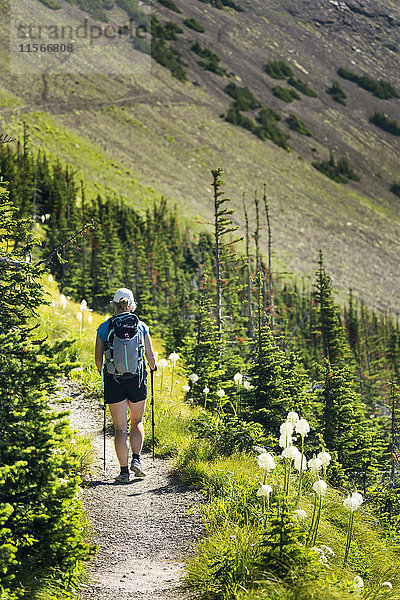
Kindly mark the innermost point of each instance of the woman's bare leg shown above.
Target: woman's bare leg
(120, 419)
(136, 436)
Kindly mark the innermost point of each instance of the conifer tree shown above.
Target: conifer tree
(279, 383)
(42, 532)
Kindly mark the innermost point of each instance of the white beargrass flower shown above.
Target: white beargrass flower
(292, 417)
(300, 464)
(327, 550)
(387, 584)
(247, 386)
(53, 303)
(358, 582)
(264, 490)
(63, 301)
(79, 316)
(302, 427)
(285, 441)
(221, 393)
(238, 378)
(206, 391)
(162, 363)
(325, 457)
(186, 388)
(320, 487)
(291, 452)
(193, 377)
(322, 558)
(286, 428)
(265, 460)
(300, 514)
(353, 502)
(173, 357)
(314, 464)
(83, 305)
(50, 278)
(89, 319)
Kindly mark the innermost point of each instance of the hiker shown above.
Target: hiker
(125, 387)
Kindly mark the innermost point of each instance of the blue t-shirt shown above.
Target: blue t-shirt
(102, 330)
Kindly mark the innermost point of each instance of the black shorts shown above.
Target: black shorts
(116, 390)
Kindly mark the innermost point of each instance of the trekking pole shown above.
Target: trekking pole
(104, 437)
(152, 406)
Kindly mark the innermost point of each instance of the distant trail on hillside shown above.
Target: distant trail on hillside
(65, 107)
(143, 529)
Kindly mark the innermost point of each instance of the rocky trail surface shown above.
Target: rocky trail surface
(144, 529)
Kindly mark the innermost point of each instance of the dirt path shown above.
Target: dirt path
(143, 529)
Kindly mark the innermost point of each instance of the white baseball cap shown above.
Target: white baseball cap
(124, 293)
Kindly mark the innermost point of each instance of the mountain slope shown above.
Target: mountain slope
(145, 136)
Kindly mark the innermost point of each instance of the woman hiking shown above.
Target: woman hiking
(124, 339)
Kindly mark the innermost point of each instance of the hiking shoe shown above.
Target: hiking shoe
(137, 468)
(122, 478)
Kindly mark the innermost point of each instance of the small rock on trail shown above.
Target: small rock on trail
(144, 529)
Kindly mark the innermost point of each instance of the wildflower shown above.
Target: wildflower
(221, 393)
(264, 490)
(300, 464)
(387, 584)
(314, 464)
(53, 303)
(319, 487)
(327, 550)
(206, 391)
(193, 377)
(247, 386)
(286, 428)
(173, 357)
(162, 363)
(238, 378)
(353, 502)
(302, 427)
(73, 441)
(63, 301)
(325, 457)
(300, 514)
(50, 278)
(186, 388)
(89, 319)
(292, 417)
(83, 305)
(62, 481)
(322, 558)
(291, 452)
(79, 316)
(358, 582)
(285, 441)
(266, 461)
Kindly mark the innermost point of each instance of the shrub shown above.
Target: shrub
(297, 124)
(168, 31)
(278, 69)
(381, 89)
(171, 5)
(395, 189)
(384, 122)
(170, 58)
(243, 96)
(205, 53)
(212, 60)
(302, 86)
(339, 171)
(337, 93)
(285, 94)
(221, 3)
(268, 128)
(193, 24)
(235, 117)
(50, 4)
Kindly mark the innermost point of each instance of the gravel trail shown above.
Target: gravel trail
(144, 530)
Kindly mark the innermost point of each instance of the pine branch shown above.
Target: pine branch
(56, 250)
(5, 139)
